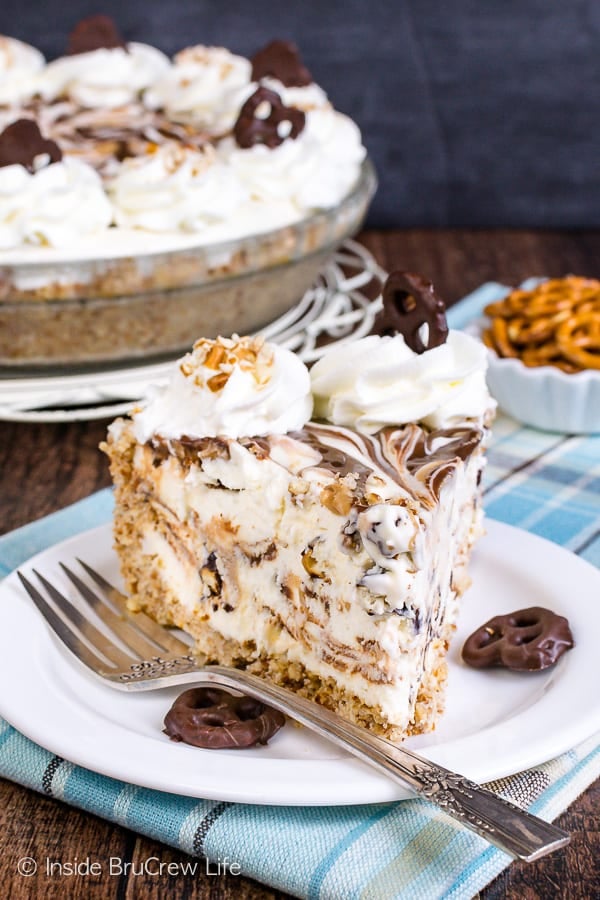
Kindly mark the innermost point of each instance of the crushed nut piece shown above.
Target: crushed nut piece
(298, 486)
(215, 356)
(337, 498)
(217, 382)
(223, 355)
(312, 566)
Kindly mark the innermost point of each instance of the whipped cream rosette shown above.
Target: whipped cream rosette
(314, 170)
(19, 65)
(55, 206)
(334, 154)
(230, 386)
(379, 381)
(44, 198)
(105, 77)
(279, 67)
(206, 86)
(411, 370)
(310, 96)
(174, 189)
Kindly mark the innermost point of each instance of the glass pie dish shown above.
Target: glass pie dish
(117, 308)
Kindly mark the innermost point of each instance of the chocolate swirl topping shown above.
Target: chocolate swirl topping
(281, 60)
(94, 33)
(409, 303)
(99, 136)
(22, 142)
(418, 461)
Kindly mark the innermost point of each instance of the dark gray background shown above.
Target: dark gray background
(476, 112)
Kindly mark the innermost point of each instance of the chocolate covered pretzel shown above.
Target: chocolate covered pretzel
(409, 303)
(527, 640)
(281, 60)
(94, 33)
(216, 720)
(253, 128)
(22, 142)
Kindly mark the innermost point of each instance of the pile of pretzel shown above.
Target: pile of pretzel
(556, 323)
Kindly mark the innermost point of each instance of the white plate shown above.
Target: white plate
(496, 722)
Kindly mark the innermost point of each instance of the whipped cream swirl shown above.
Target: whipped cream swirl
(310, 96)
(314, 171)
(54, 206)
(174, 189)
(105, 77)
(206, 86)
(19, 65)
(231, 387)
(379, 381)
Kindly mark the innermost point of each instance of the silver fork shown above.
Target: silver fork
(142, 655)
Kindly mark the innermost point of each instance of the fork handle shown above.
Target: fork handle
(501, 823)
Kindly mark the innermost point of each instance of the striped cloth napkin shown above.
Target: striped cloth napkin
(546, 483)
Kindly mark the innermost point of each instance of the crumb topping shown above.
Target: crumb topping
(222, 356)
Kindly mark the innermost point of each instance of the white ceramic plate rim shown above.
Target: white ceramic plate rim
(51, 699)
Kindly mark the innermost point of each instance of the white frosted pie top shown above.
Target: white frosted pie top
(174, 164)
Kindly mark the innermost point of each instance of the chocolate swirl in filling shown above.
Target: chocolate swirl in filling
(417, 460)
(412, 457)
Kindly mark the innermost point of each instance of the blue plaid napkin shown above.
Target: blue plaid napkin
(546, 483)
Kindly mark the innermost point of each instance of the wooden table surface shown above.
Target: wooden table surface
(45, 467)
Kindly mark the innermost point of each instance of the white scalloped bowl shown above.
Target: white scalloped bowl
(546, 397)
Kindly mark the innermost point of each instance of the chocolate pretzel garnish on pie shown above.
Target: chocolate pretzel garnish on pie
(281, 60)
(22, 142)
(215, 720)
(527, 640)
(409, 303)
(253, 128)
(94, 33)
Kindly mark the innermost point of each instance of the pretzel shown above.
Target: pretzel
(216, 720)
(22, 142)
(526, 641)
(94, 33)
(579, 339)
(281, 60)
(251, 128)
(409, 302)
(556, 323)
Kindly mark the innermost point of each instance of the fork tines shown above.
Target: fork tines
(126, 637)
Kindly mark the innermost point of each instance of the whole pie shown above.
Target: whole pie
(114, 158)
